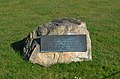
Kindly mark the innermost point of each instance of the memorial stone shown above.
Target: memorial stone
(60, 41)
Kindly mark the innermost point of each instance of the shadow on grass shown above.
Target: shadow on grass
(18, 46)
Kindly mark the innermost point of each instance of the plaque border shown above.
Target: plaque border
(63, 35)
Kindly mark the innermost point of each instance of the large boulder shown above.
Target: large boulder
(64, 26)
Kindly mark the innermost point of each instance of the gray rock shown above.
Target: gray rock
(62, 26)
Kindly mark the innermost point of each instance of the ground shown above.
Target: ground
(20, 17)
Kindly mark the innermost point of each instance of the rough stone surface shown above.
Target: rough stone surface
(62, 26)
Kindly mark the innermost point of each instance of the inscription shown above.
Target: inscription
(63, 43)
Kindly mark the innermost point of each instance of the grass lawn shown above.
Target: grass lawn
(20, 17)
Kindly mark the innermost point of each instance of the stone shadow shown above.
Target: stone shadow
(18, 46)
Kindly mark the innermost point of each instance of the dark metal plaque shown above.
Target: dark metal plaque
(63, 43)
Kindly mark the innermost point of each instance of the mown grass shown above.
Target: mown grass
(20, 17)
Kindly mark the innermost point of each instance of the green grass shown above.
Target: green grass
(20, 17)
